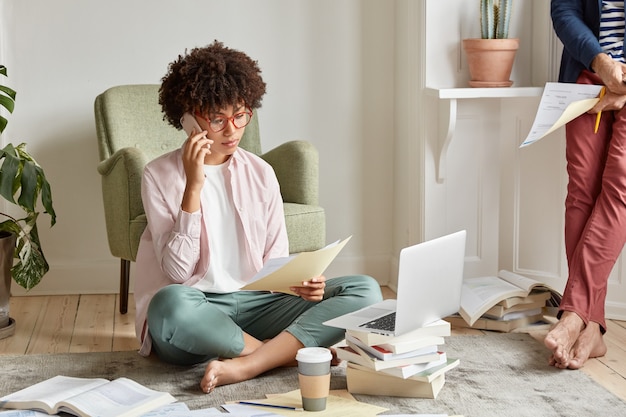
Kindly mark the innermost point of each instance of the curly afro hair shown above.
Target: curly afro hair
(209, 79)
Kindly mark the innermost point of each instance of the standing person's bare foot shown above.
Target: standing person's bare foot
(590, 344)
(562, 338)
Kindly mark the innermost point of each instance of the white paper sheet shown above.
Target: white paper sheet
(561, 103)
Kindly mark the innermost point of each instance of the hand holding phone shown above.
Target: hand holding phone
(190, 124)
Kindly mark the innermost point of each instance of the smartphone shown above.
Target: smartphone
(190, 124)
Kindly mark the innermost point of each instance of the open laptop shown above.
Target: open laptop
(430, 276)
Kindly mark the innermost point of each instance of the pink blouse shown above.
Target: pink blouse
(174, 247)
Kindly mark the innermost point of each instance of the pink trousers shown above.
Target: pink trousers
(595, 207)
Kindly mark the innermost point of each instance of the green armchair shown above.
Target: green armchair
(131, 132)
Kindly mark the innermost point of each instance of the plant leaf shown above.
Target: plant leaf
(31, 265)
(29, 189)
(8, 91)
(7, 103)
(9, 172)
(46, 196)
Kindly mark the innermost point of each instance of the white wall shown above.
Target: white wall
(329, 69)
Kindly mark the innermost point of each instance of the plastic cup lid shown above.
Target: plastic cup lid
(313, 355)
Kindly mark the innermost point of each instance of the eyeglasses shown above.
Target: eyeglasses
(239, 120)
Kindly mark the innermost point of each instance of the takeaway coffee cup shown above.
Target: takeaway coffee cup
(314, 377)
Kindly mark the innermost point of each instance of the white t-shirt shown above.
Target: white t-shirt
(227, 268)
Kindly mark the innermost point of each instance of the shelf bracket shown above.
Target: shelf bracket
(447, 107)
(447, 126)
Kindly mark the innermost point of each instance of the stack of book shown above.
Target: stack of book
(507, 302)
(410, 365)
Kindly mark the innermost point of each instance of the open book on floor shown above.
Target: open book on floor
(479, 295)
(87, 397)
(533, 322)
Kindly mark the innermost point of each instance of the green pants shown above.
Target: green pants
(189, 326)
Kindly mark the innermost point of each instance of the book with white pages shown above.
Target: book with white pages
(515, 315)
(429, 374)
(408, 371)
(385, 355)
(355, 354)
(88, 397)
(362, 381)
(499, 311)
(479, 294)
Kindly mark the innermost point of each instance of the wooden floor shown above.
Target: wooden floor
(92, 323)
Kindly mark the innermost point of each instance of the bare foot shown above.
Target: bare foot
(224, 372)
(562, 337)
(276, 352)
(590, 344)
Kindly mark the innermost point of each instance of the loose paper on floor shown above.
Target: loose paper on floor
(560, 104)
(336, 406)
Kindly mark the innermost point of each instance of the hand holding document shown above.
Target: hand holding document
(560, 104)
(282, 273)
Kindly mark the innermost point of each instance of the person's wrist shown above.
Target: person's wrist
(600, 61)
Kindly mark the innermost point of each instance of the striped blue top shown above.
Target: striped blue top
(612, 29)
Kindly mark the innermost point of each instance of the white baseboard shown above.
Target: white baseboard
(99, 277)
(615, 311)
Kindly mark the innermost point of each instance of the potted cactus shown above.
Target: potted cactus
(490, 58)
(23, 184)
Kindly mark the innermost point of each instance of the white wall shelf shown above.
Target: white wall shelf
(448, 112)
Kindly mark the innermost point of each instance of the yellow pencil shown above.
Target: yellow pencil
(595, 130)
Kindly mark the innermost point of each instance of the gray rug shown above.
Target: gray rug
(499, 375)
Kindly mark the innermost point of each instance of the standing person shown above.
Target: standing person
(592, 32)
(215, 216)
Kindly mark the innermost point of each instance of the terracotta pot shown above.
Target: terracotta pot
(490, 61)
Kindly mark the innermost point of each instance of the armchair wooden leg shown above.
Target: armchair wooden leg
(124, 285)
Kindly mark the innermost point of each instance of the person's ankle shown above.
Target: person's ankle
(571, 317)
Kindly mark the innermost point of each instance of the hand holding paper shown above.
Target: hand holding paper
(560, 104)
(281, 274)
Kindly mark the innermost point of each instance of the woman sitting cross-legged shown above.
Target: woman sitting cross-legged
(215, 216)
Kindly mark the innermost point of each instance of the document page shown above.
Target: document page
(560, 104)
(281, 273)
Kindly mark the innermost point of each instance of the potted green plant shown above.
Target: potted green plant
(490, 58)
(23, 184)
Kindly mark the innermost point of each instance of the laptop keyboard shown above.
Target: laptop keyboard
(387, 322)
